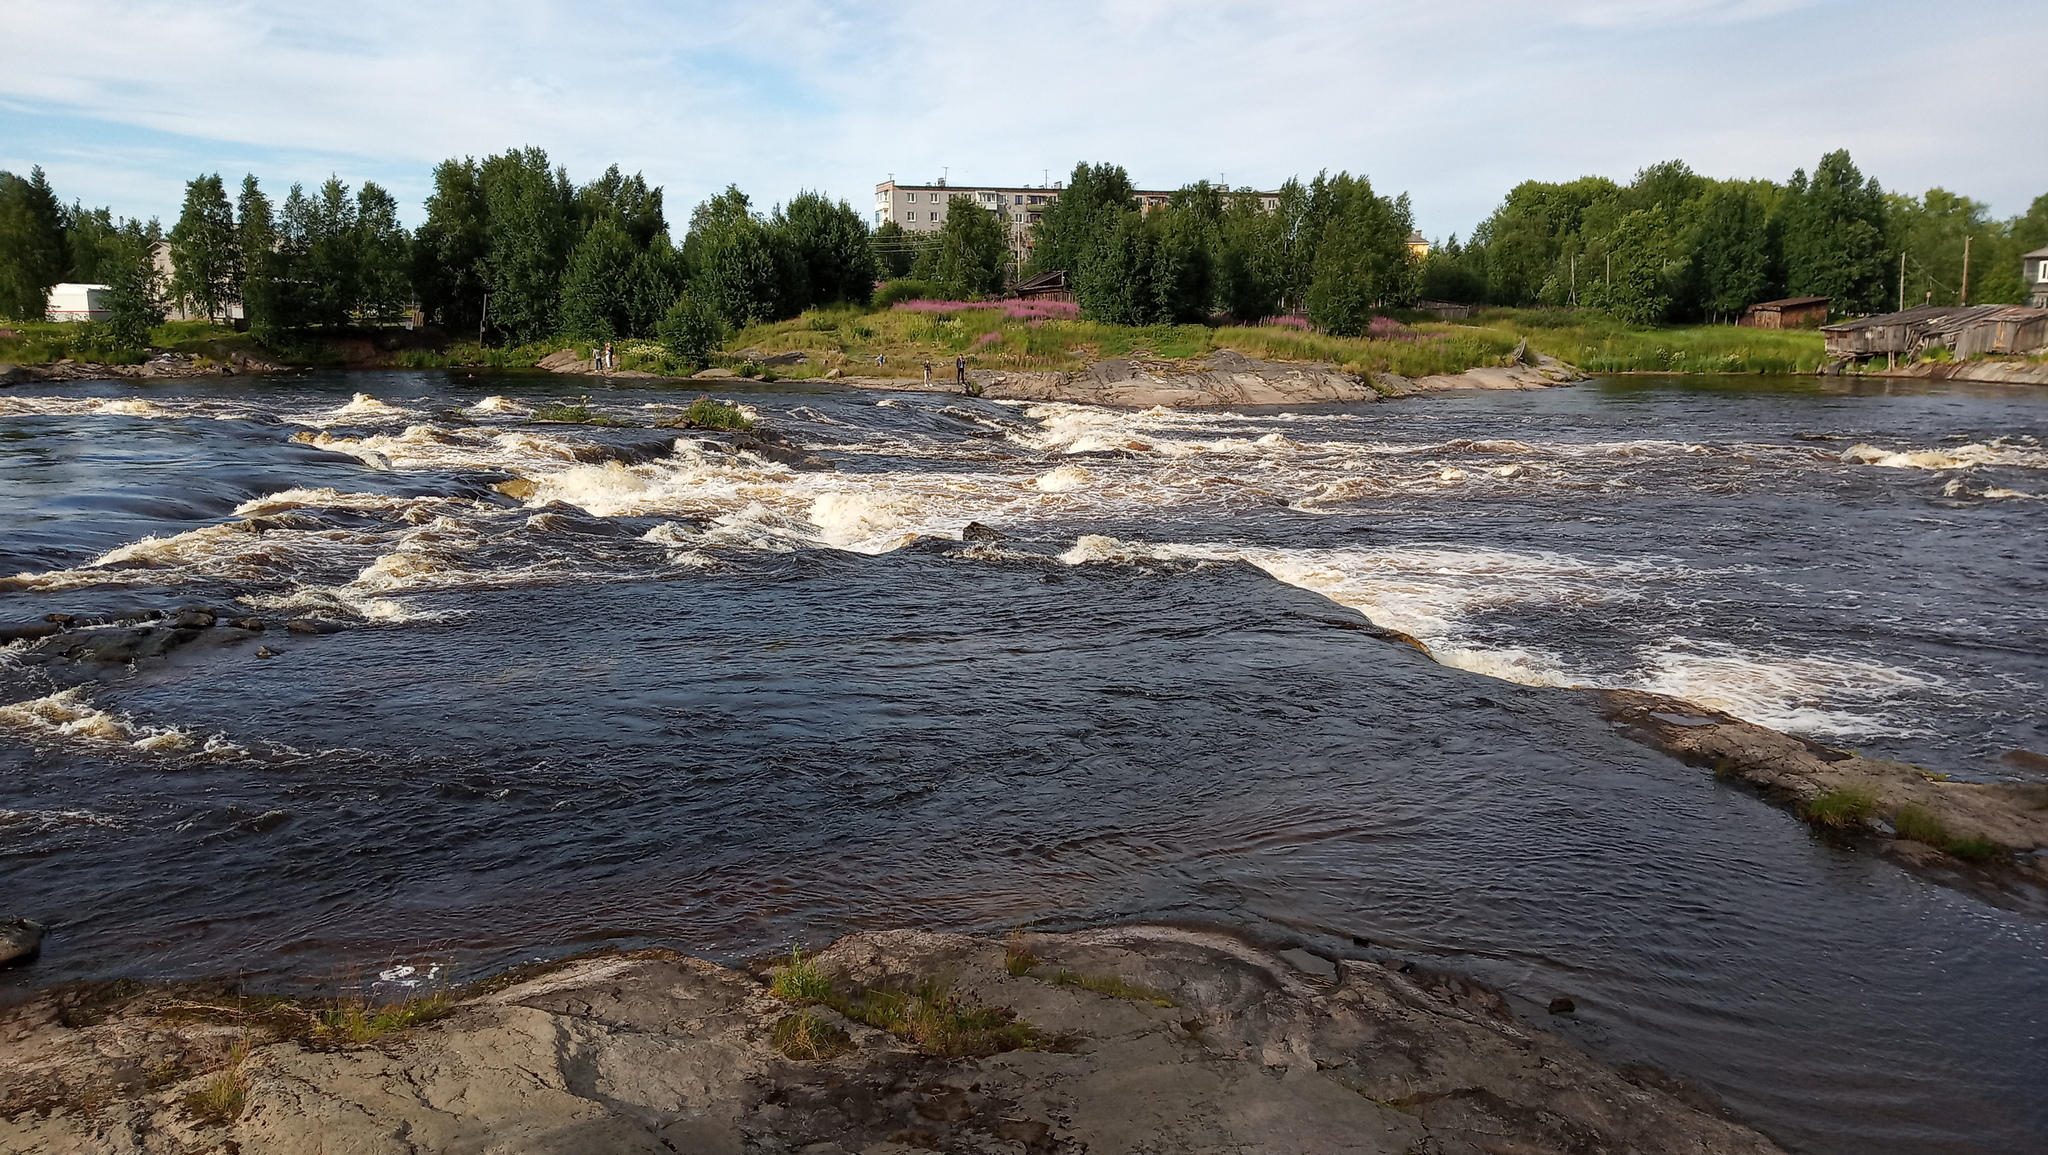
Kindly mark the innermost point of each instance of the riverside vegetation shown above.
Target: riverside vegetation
(514, 252)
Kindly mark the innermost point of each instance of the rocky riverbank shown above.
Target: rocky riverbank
(1230, 379)
(1128, 1039)
(163, 366)
(1988, 372)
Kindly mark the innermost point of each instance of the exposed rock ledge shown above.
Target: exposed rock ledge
(655, 1052)
(1227, 378)
(1990, 838)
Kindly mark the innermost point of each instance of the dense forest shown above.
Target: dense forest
(513, 251)
(1674, 246)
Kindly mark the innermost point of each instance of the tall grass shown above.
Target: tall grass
(1026, 336)
(1597, 343)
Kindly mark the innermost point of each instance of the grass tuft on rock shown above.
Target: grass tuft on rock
(358, 1022)
(1018, 959)
(806, 1038)
(708, 413)
(220, 1100)
(1843, 808)
(940, 1022)
(1114, 986)
(801, 981)
(578, 414)
(1919, 824)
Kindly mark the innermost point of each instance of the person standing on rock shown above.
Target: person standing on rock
(610, 359)
(927, 370)
(960, 370)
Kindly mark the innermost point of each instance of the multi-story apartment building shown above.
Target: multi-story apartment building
(922, 208)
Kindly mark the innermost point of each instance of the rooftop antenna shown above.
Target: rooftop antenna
(1044, 177)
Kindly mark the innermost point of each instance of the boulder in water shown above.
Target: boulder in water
(975, 531)
(20, 941)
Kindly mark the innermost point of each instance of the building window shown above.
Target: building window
(2041, 271)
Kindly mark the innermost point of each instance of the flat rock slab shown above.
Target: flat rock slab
(1206, 1045)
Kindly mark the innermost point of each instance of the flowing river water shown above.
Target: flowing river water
(676, 693)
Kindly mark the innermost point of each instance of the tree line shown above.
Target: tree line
(1674, 246)
(510, 249)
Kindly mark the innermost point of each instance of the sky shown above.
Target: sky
(1452, 101)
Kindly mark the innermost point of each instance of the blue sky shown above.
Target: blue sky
(1453, 101)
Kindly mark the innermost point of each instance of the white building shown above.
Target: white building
(922, 208)
(74, 302)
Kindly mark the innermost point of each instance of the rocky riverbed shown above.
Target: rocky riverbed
(1126, 1039)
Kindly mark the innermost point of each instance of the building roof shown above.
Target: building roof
(1917, 315)
(2035, 253)
(1791, 302)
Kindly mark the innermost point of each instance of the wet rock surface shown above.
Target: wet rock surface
(1990, 838)
(20, 940)
(1222, 1048)
(1227, 378)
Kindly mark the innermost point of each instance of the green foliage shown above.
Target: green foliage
(830, 256)
(1076, 222)
(693, 330)
(1734, 250)
(896, 249)
(801, 981)
(358, 1021)
(1635, 286)
(1250, 259)
(1018, 959)
(1113, 986)
(134, 299)
(1834, 236)
(34, 254)
(530, 226)
(578, 414)
(973, 246)
(383, 255)
(1114, 281)
(206, 251)
(1598, 343)
(1842, 808)
(451, 247)
(256, 237)
(898, 291)
(627, 203)
(1917, 823)
(707, 413)
(597, 288)
(1362, 260)
(732, 260)
(938, 1021)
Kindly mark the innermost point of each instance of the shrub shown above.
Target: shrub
(1843, 808)
(1018, 960)
(693, 330)
(1976, 848)
(940, 1022)
(904, 289)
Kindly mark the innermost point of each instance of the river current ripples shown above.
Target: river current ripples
(626, 684)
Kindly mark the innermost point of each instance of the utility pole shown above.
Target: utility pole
(1902, 280)
(1575, 278)
(1964, 299)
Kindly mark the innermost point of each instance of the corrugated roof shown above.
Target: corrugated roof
(1791, 301)
(1917, 315)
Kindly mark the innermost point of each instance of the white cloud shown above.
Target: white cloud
(1454, 101)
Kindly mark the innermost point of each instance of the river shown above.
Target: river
(678, 694)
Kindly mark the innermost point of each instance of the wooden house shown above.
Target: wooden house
(2034, 275)
(1790, 313)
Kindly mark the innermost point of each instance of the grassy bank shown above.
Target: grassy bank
(41, 342)
(1596, 343)
(993, 338)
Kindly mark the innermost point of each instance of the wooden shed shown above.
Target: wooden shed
(1044, 287)
(1790, 313)
(1964, 330)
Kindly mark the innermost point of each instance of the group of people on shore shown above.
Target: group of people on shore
(602, 358)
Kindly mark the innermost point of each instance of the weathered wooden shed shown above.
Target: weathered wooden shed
(1964, 330)
(1790, 313)
(1050, 286)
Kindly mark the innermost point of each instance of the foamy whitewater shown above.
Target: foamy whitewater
(1180, 486)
